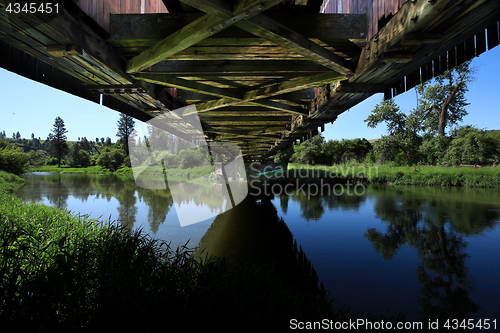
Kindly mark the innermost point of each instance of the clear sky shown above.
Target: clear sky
(31, 107)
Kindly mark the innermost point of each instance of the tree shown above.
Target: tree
(309, 151)
(18, 135)
(443, 104)
(403, 141)
(125, 128)
(58, 145)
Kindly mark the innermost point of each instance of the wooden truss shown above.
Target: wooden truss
(262, 74)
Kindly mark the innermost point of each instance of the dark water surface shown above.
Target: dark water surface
(424, 251)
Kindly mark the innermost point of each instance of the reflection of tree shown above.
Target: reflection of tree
(441, 249)
(284, 203)
(58, 193)
(128, 210)
(159, 203)
(312, 206)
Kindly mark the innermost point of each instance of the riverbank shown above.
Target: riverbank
(64, 272)
(484, 177)
(174, 173)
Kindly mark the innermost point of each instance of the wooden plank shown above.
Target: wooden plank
(151, 28)
(188, 85)
(275, 32)
(189, 35)
(238, 67)
(420, 38)
(480, 43)
(493, 35)
(452, 58)
(273, 90)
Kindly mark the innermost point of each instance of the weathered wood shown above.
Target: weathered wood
(273, 90)
(238, 67)
(188, 85)
(139, 29)
(396, 57)
(263, 26)
(420, 38)
(189, 35)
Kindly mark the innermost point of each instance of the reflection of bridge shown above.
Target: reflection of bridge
(259, 80)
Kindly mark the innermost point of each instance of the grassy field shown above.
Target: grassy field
(486, 177)
(62, 273)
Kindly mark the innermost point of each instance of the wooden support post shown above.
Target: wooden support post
(493, 35)
(480, 43)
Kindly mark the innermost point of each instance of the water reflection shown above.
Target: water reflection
(434, 226)
(436, 247)
(56, 190)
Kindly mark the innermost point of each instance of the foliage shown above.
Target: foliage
(79, 156)
(13, 159)
(58, 145)
(471, 146)
(403, 141)
(308, 151)
(193, 158)
(284, 156)
(434, 149)
(444, 100)
(125, 128)
(111, 157)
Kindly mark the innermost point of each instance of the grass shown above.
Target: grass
(174, 173)
(485, 177)
(62, 272)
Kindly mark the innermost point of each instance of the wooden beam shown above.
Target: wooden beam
(148, 29)
(275, 32)
(188, 85)
(264, 27)
(192, 33)
(273, 90)
(420, 38)
(396, 57)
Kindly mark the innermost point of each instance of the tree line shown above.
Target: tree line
(429, 134)
(17, 154)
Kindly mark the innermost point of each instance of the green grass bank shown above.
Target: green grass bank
(484, 177)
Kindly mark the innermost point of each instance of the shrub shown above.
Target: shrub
(434, 150)
(471, 146)
(111, 159)
(13, 159)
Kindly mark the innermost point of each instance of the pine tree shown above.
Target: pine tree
(125, 128)
(58, 145)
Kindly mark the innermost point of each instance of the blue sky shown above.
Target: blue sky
(31, 107)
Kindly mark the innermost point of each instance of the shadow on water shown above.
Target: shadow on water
(253, 235)
(435, 227)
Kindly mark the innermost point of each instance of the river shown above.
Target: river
(420, 250)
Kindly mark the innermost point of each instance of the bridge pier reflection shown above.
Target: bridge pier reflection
(253, 235)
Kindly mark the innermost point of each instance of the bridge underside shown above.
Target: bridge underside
(262, 74)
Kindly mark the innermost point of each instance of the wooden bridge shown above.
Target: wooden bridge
(262, 74)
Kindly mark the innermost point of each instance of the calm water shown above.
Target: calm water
(418, 250)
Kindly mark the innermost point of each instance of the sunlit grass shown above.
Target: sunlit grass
(487, 177)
